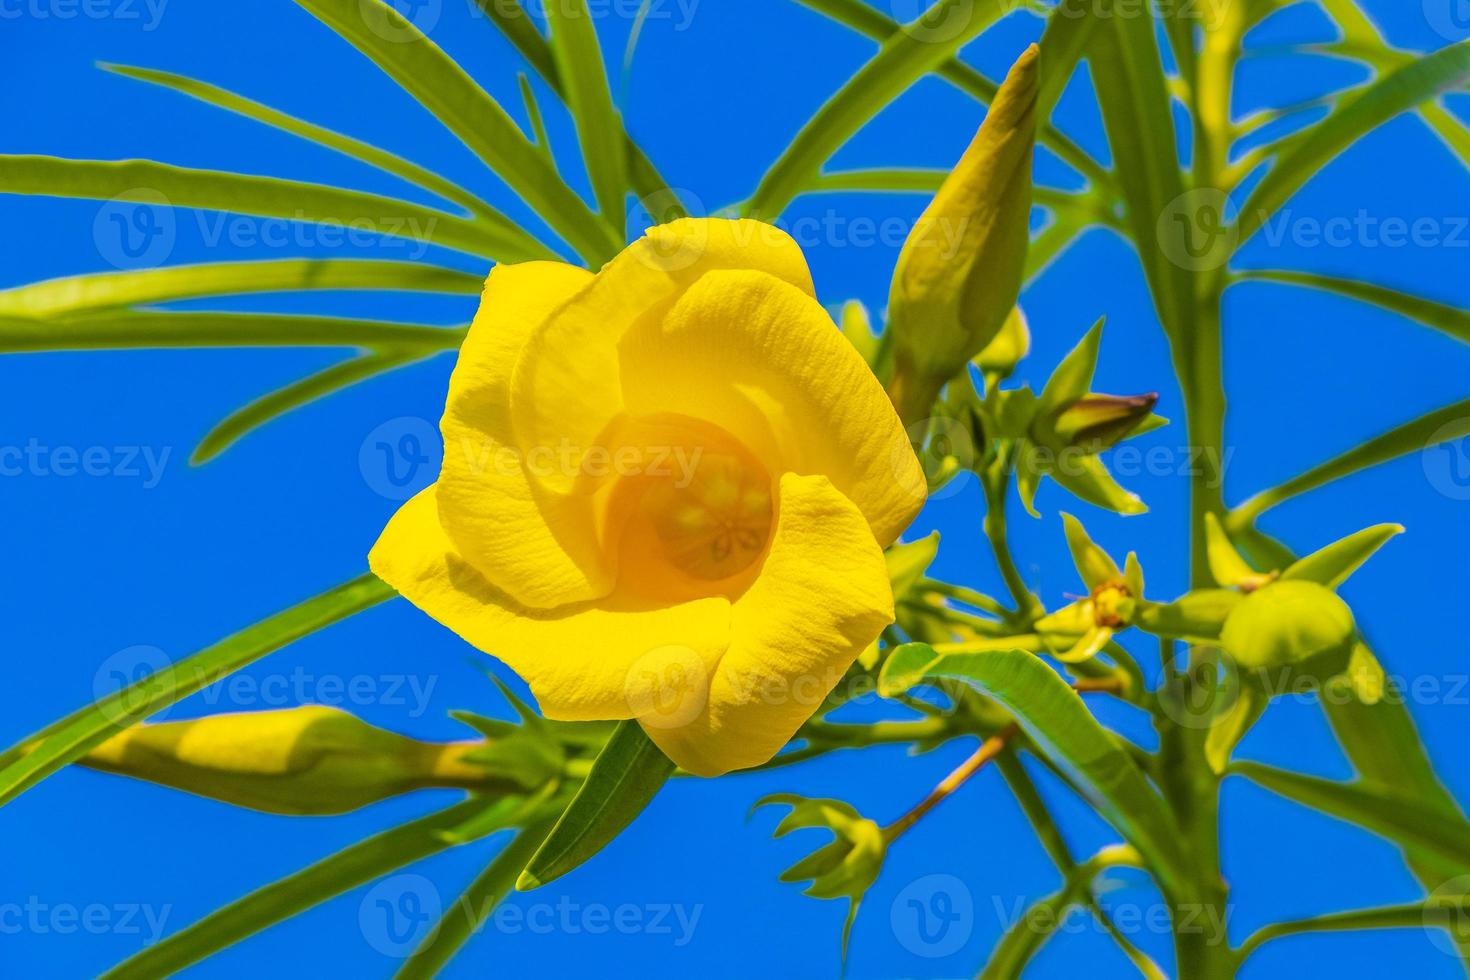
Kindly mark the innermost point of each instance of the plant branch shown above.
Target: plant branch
(987, 751)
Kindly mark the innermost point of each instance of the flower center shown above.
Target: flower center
(692, 513)
(713, 520)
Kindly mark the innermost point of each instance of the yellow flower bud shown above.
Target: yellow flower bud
(307, 760)
(960, 271)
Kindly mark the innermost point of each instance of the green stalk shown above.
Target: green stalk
(1189, 782)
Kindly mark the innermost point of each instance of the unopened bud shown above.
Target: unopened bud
(307, 760)
(1097, 422)
(960, 271)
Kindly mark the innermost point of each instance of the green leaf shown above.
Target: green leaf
(1308, 152)
(585, 88)
(904, 668)
(72, 295)
(510, 17)
(357, 149)
(906, 56)
(1331, 566)
(425, 72)
(355, 865)
(1055, 69)
(67, 740)
(123, 329)
(1128, 74)
(474, 905)
(1063, 42)
(907, 563)
(345, 374)
(1363, 41)
(1447, 912)
(1024, 938)
(625, 777)
(164, 185)
(1440, 426)
(1054, 717)
(1450, 319)
(1404, 820)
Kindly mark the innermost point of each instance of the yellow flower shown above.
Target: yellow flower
(666, 492)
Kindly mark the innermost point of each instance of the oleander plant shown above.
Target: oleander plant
(675, 485)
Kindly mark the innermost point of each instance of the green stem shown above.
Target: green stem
(1193, 790)
(996, 480)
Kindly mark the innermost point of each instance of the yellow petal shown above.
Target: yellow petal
(538, 547)
(763, 360)
(822, 597)
(566, 388)
(607, 660)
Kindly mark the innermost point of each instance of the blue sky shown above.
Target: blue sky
(158, 559)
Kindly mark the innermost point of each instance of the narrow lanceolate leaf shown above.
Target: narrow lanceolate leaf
(85, 294)
(1054, 717)
(584, 82)
(904, 58)
(1418, 828)
(67, 740)
(1449, 319)
(1390, 96)
(345, 374)
(625, 777)
(356, 865)
(373, 156)
(468, 914)
(1448, 913)
(513, 21)
(1024, 938)
(1063, 43)
(1438, 427)
(1363, 42)
(428, 74)
(124, 329)
(1129, 75)
(1055, 69)
(163, 185)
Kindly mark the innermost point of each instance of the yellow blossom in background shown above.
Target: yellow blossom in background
(666, 492)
